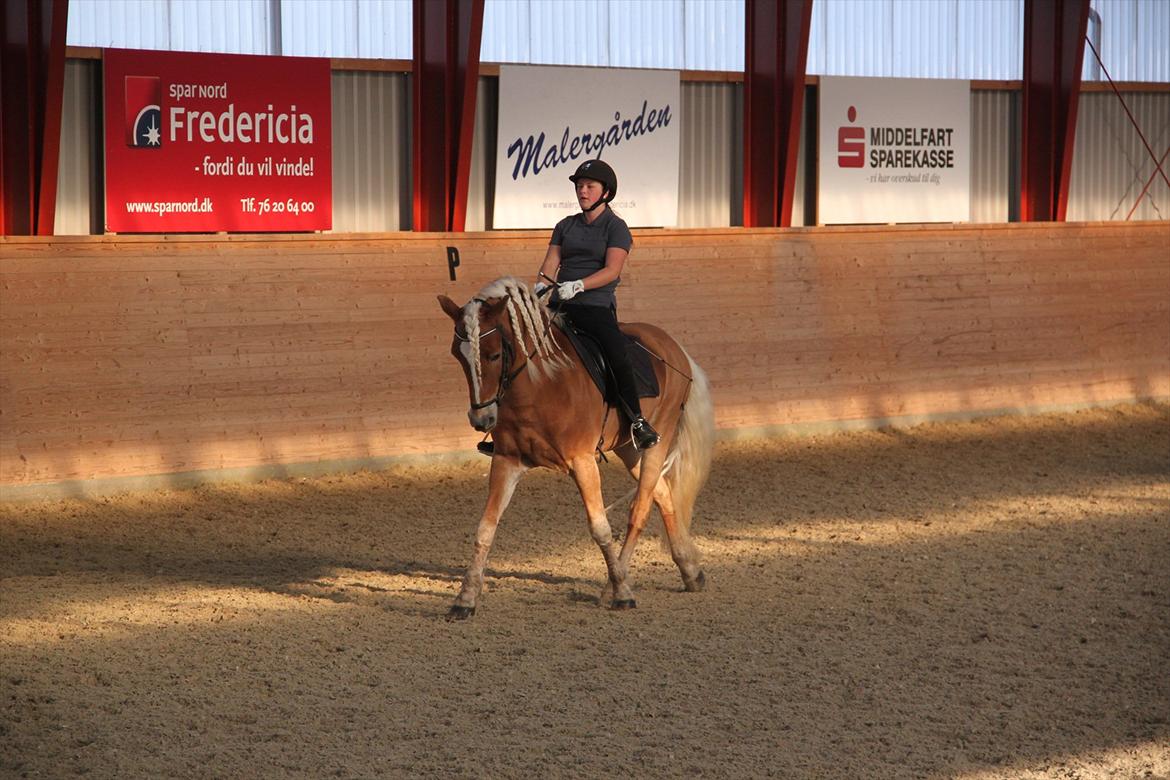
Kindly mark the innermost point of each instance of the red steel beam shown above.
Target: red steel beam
(464, 90)
(776, 54)
(32, 82)
(1054, 51)
(447, 37)
(17, 120)
(53, 31)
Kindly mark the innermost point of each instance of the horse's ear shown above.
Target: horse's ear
(453, 310)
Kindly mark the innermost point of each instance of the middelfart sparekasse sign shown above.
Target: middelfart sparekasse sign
(894, 150)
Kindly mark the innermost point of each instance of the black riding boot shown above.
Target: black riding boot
(643, 435)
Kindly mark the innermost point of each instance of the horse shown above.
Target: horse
(530, 389)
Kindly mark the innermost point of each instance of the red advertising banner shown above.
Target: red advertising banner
(217, 142)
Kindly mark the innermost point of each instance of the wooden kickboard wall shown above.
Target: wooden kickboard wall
(131, 356)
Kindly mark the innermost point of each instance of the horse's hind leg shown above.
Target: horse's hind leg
(505, 474)
(589, 483)
(646, 470)
(682, 549)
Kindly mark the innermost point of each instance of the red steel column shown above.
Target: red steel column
(1054, 50)
(776, 54)
(447, 37)
(32, 83)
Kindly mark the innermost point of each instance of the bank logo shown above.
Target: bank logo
(851, 144)
(143, 117)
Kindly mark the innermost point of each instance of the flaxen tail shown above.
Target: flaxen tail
(690, 459)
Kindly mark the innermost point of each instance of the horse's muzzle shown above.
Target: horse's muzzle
(483, 420)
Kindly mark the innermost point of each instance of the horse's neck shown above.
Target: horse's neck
(553, 385)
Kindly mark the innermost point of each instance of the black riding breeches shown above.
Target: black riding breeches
(601, 323)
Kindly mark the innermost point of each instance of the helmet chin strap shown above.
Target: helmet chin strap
(600, 202)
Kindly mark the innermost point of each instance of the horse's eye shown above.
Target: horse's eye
(494, 358)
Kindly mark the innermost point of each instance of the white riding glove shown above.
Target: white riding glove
(568, 290)
(540, 288)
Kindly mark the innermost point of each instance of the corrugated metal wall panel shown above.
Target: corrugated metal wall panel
(994, 163)
(968, 39)
(371, 152)
(124, 24)
(925, 40)
(483, 155)
(233, 26)
(79, 195)
(1115, 41)
(989, 39)
(1111, 165)
(714, 32)
(851, 38)
(1152, 62)
(711, 128)
(675, 34)
(803, 212)
(319, 28)
(569, 32)
(1133, 40)
(506, 31)
(385, 29)
(646, 34)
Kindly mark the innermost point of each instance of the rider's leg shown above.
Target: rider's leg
(601, 323)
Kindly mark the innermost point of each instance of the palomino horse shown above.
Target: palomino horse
(528, 386)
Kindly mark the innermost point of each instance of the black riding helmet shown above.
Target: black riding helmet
(599, 171)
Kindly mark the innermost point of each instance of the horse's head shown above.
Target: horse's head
(484, 347)
(498, 334)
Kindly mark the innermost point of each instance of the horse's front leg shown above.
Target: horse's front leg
(588, 481)
(505, 473)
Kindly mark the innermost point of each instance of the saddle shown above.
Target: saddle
(589, 349)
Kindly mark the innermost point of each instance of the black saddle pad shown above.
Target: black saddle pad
(594, 360)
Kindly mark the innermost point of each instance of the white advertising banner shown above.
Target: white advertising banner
(552, 119)
(894, 150)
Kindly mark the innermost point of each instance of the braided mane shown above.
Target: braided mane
(531, 325)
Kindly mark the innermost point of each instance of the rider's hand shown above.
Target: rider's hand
(540, 288)
(567, 290)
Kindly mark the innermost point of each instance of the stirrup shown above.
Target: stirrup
(642, 434)
(486, 447)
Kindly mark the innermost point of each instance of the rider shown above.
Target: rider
(584, 259)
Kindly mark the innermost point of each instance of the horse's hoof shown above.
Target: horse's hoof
(625, 604)
(697, 584)
(460, 613)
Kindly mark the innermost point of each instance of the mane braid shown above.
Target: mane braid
(471, 329)
(530, 320)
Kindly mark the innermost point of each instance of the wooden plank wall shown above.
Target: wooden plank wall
(131, 356)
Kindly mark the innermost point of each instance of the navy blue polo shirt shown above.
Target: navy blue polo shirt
(583, 248)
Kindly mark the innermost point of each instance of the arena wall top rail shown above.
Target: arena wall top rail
(136, 361)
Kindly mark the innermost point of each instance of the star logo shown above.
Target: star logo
(152, 133)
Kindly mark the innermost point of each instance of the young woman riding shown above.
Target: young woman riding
(584, 260)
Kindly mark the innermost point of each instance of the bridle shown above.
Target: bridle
(507, 353)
